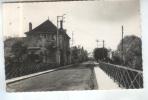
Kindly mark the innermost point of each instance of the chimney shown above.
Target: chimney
(30, 26)
(61, 24)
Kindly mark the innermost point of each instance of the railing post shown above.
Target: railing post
(125, 77)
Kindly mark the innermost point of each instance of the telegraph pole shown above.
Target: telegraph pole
(103, 42)
(103, 45)
(122, 44)
(72, 41)
(57, 31)
(97, 43)
(57, 37)
(103, 49)
(62, 19)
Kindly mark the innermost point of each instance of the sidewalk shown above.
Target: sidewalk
(104, 81)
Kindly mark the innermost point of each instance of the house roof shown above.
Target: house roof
(45, 27)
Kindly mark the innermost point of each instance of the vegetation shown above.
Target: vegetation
(18, 50)
(18, 61)
(132, 52)
(100, 54)
(78, 54)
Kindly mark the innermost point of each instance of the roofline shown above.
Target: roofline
(41, 24)
(46, 32)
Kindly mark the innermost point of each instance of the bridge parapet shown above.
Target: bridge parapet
(125, 77)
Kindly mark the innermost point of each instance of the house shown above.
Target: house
(43, 41)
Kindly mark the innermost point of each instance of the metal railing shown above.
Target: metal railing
(125, 77)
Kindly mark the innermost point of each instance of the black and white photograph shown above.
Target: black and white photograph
(72, 45)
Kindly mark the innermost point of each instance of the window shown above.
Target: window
(41, 35)
(44, 35)
(53, 37)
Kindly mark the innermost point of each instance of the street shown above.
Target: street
(77, 77)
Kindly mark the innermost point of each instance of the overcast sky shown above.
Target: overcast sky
(88, 20)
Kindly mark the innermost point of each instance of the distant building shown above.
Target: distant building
(42, 40)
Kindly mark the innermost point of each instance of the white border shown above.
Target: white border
(134, 94)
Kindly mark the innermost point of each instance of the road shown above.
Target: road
(77, 77)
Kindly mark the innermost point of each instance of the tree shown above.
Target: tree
(116, 59)
(74, 54)
(18, 50)
(100, 53)
(78, 54)
(132, 52)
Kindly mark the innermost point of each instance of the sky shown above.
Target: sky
(88, 20)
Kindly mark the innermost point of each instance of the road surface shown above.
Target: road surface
(77, 77)
(84, 76)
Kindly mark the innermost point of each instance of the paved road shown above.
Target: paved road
(76, 77)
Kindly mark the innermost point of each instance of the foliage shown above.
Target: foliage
(116, 59)
(18, 49)
(78, 54)
(100, 53)
(132, 52)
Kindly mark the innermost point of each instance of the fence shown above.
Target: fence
(19, 69)
(126, 77)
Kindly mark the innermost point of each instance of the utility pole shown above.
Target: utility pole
(103, 42)
(59, 19)
(103, 49)
(103, 45)
(97, 43)
(72, 41)
(122, 44)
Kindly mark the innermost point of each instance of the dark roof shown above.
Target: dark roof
(46, 26)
